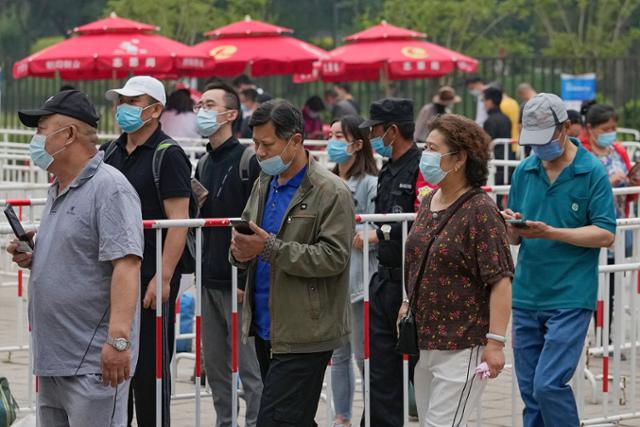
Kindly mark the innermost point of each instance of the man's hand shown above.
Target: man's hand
(240, 296)
(358, 242)
(244, 247)
(114, 365)
(493, 355)
(149, 300)
(404, 309)
(23, 259)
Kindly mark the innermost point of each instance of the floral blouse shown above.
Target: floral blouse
(471, 253)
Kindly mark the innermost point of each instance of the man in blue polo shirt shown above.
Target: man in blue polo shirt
(564, 196)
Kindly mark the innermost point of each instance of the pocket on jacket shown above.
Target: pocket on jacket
(300, 228)
(313, 292)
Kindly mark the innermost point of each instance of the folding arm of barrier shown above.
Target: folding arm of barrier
(159, 327)
(367, 364)
(198, 328)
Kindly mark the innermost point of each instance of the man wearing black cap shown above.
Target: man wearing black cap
(391, 130)
(85, 267)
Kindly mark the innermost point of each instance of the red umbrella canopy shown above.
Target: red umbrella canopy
(263, 48)
(108, 48)
(398, 52)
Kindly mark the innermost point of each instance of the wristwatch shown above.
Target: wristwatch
(120, 344)
(386, 231)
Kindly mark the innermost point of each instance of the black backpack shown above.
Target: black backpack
(187, 263)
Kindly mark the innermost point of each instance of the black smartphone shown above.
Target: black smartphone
(242, 226)
(518, 223)
(17, 228)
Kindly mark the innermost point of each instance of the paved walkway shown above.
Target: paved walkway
(496, 402)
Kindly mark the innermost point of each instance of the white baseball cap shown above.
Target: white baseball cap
(541, 116)
(140, 85)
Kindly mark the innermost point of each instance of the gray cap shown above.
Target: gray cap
(541, 116)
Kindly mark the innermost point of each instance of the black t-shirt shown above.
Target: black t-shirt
(175, 181)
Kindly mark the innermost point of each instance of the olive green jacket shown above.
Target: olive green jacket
(309, 287)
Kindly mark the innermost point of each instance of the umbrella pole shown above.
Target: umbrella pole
(385, 80)
(113, 104)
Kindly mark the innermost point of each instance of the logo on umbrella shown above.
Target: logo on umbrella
(414, 52)
(223, 52)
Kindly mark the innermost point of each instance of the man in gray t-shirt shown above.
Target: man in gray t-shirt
(85, 271)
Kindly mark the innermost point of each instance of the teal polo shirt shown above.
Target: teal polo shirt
(551, 274)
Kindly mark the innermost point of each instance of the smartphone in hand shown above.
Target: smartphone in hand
(242, 227)
(518, 223)
(25, 243)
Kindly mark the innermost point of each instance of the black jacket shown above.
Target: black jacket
(497, 124)
(219, 172)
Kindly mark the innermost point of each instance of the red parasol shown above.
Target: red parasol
(255, 47)
(110, 48)
(398, 52)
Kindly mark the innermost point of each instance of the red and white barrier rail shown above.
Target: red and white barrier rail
(626, 267)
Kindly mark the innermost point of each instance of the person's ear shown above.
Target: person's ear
(73, 133)
(461, 160)
(297, 139)
(232, 115)
(357, 145)
(156, 111)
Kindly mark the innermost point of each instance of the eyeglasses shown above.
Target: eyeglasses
(208, 106)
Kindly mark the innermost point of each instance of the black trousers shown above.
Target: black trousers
(142, 393)
(386, 392)
(292, 386)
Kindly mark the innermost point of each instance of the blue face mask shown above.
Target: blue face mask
(430, 167)
(129, 117)
(378, 145)
(337, 151)
(39, 155)
(275, 165)
(607, 139)
(549, 151)
(207, 121)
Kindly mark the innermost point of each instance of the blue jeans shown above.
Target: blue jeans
(547, 346)
(343, 378)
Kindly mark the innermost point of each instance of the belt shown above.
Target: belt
(390, 273)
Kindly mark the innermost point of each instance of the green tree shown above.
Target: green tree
(186, 21)
(474, 27)
(584, 28)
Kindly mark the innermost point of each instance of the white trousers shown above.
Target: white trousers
(447, 391)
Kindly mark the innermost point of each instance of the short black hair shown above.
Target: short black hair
(406, 129)
(330, 93)
(264, 97)
(67, 87)
(493, 94)
(286, 118)
(574, 117)
(231, 98)
(242, 79)
(315, 103)
(179, 101)
(473, 80)
(600, 113)
(250, 94)
(344, 86)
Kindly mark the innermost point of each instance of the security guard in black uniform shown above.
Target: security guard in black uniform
(391, 127)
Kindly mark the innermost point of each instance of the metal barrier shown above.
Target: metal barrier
(624, 272)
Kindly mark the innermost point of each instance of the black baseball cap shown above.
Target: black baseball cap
(71, 103)
(389, 110)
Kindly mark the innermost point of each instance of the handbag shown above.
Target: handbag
(8, 405)
(407, 328)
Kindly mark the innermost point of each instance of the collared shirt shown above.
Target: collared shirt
(580, 196)
(93, 222)
(175, 181)
(275, 209)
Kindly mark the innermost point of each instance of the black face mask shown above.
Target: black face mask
(440, 109)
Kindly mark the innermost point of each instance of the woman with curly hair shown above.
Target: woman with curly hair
(459, 271)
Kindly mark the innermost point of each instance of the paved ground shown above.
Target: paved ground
(496, 403)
